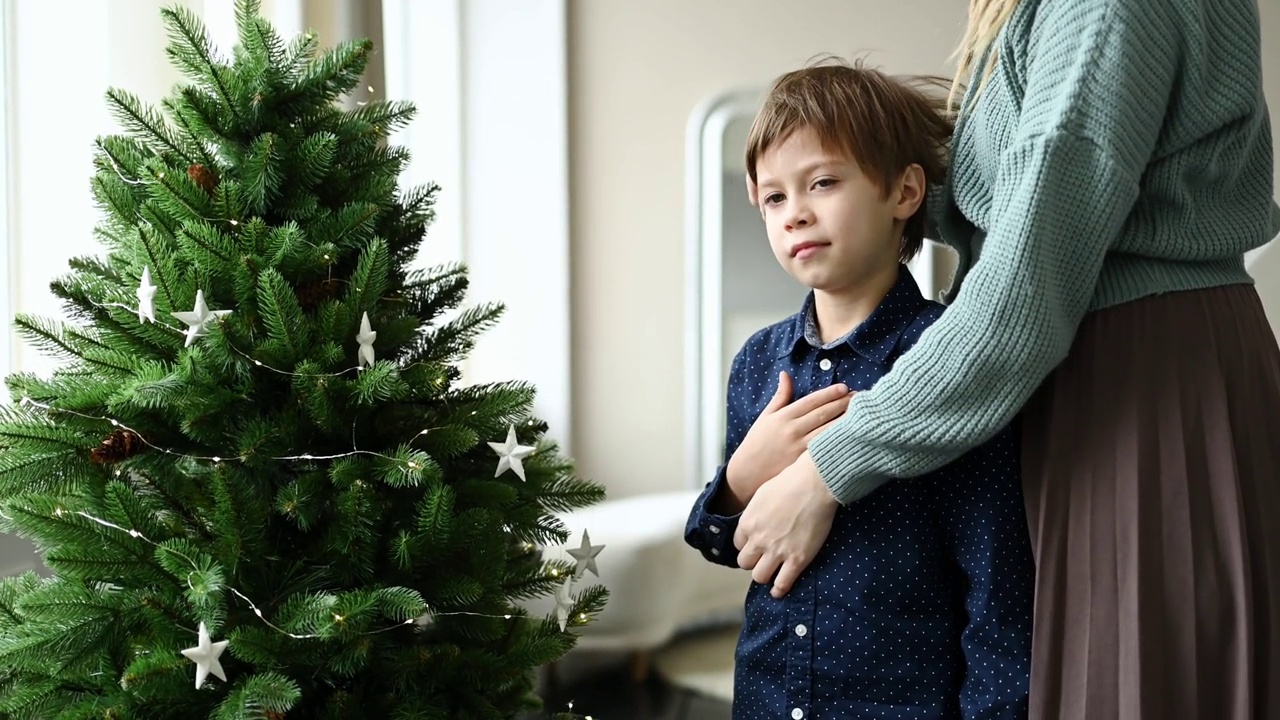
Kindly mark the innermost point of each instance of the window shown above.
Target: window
(7, 210)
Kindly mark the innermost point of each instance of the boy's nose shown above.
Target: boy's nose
(797, 221)
(798, 214)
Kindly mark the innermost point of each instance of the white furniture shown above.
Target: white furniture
(701, 663)
(658, 585)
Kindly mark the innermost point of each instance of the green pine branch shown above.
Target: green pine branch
(191, 51)
(144, 121)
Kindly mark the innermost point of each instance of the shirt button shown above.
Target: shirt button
(801, 630)
(797, 713)
(715, 551)
(715, 530)
(825, 363)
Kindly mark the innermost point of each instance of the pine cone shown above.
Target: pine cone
(120, 445)
(204, 177)
(311, 294)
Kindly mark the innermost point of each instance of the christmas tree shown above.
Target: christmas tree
(256, 477)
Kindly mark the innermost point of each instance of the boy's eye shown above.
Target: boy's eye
(825, 183)
(773, 198)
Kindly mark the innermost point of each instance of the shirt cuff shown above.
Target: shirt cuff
(711, 533)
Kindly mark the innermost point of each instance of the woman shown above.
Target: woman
(1112, 163)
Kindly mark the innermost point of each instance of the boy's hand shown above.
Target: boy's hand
(778, 437)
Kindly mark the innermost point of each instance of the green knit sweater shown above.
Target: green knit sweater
(1121, 148)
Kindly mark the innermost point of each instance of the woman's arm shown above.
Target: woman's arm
(1098, 80)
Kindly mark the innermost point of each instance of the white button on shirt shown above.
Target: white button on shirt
(825, 363)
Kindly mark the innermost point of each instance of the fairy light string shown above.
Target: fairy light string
(308, 457)
(553, 571)
(427, 615)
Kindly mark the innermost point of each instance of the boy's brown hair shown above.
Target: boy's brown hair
(883, 123)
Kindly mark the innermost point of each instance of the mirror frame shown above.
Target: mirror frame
(705, 188)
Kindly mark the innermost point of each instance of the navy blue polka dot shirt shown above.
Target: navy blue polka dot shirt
(919, 604)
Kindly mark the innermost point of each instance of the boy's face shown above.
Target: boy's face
(829, 224)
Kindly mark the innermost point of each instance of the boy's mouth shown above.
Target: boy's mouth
(805, 249)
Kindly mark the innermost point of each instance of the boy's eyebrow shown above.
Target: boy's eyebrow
(805, 169)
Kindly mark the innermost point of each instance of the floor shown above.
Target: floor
(691, 678)
(615, 696)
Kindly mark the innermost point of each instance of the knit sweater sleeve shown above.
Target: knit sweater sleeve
(1097, 77)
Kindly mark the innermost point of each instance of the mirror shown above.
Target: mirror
(734, 286)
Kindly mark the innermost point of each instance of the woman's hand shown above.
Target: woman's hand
(785, 525)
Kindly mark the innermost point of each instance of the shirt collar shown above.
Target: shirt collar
(877, 336)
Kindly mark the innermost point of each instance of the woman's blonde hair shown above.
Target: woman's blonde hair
(986, 19)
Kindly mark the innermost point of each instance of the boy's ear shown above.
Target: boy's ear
(910, 192)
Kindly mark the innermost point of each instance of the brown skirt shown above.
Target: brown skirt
(1152, 479)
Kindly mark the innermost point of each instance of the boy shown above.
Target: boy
(919, 604)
